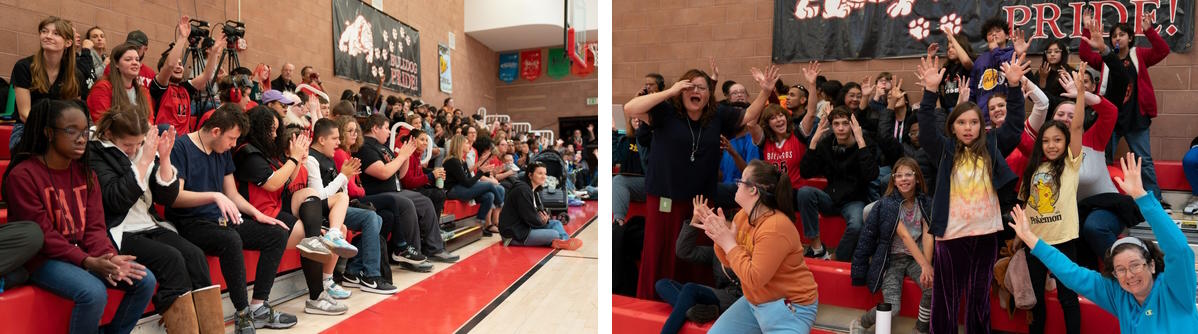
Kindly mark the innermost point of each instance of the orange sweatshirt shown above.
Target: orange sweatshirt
(768, 259)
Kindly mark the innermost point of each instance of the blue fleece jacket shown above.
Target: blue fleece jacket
(1169, 307)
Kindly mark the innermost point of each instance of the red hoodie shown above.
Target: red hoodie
(1142, 58)
(70, 212)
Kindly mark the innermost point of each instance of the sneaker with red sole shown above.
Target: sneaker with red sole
(567, 244)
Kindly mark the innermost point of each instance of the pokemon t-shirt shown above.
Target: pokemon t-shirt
(1052, 206)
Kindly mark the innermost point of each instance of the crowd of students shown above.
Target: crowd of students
(928, 190)
(125, 177)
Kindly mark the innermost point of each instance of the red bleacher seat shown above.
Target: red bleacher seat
(460, 209)
(30, 309)
(5, 135)
(3, 167)
(1169, 176)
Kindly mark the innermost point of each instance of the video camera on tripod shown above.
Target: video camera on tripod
(201, 35)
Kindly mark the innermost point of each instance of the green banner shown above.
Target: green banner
(559, 65)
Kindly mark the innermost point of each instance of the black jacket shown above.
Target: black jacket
(873, 246)
(282, 85)
(848, 169)
(521, 212)
(457, 173)
(120, 188)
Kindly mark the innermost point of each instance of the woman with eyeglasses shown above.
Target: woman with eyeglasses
(50, 183)
(761, 245)
(1149, 289)
(684, 162)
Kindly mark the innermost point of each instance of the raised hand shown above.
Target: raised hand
(1076, 77)
(1022, 227)
(858, 134)
(1130, 182)
(935, 47)
(766, 79)
(867, 86)
(896, 92)
(811, 72)
(1016, 68)
(1019, 42)
(1145, 24)
(166, 142)
(725, 145)
(1070, 85)
(1095, 39)
(149, 147)
(715, 70)
(930, 73)
(184, 27)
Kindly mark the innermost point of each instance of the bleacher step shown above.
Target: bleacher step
(287, 286)
(836, 319)
(465, 232)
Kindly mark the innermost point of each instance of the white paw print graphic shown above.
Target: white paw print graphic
(899, 8)
(952, 22)
(919, 28)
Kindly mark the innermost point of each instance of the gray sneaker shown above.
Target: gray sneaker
(243, 323)
(313, 248)
(411, 260)
(444, 257)
(324, 305)
(267, 317)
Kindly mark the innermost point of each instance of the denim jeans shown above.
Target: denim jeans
(368, 223)
(90, 294)
(770, 317)
(487, 195)
(1100, 230)
(1189, 164)
(682, 298)
(544, 236)
(811, 201)
(626, 189)
(17, 130)
(1138, 142)
(876, 186)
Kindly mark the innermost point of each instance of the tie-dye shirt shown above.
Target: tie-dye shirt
(973, 205)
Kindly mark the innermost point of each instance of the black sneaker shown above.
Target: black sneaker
(703, 313)
(822, 254)
(350, 280)
(922, 327)
(267, 317)
(242, 322)
(376, 285)
(1168, 208)
(410, 259)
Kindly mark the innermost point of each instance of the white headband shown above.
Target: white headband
(1128, 240)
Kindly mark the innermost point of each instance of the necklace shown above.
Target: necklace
(694, 139)
(199, 139)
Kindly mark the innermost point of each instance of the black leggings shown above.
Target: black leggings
(1068, 298)
(312, 213)
(179, 265)
(225, 243)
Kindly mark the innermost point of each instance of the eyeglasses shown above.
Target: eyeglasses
(746, 183)
(698, 88)
(74, 133)
(1134, 268)
(906, 175)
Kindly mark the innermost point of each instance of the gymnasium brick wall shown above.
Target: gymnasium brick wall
(671, 36)
(300, 32)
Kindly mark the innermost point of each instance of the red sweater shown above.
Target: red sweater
(70, 213)
(354, 187)
(415, 178)
(1142, 58)
(99, 99)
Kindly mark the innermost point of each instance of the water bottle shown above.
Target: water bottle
(882, 325)
(440, 180)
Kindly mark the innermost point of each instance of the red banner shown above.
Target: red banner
(530, 64)
(584, 70)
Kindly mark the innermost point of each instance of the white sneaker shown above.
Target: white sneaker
(324, 305)
(1192, 208)
(335, 290)
(855, 327)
